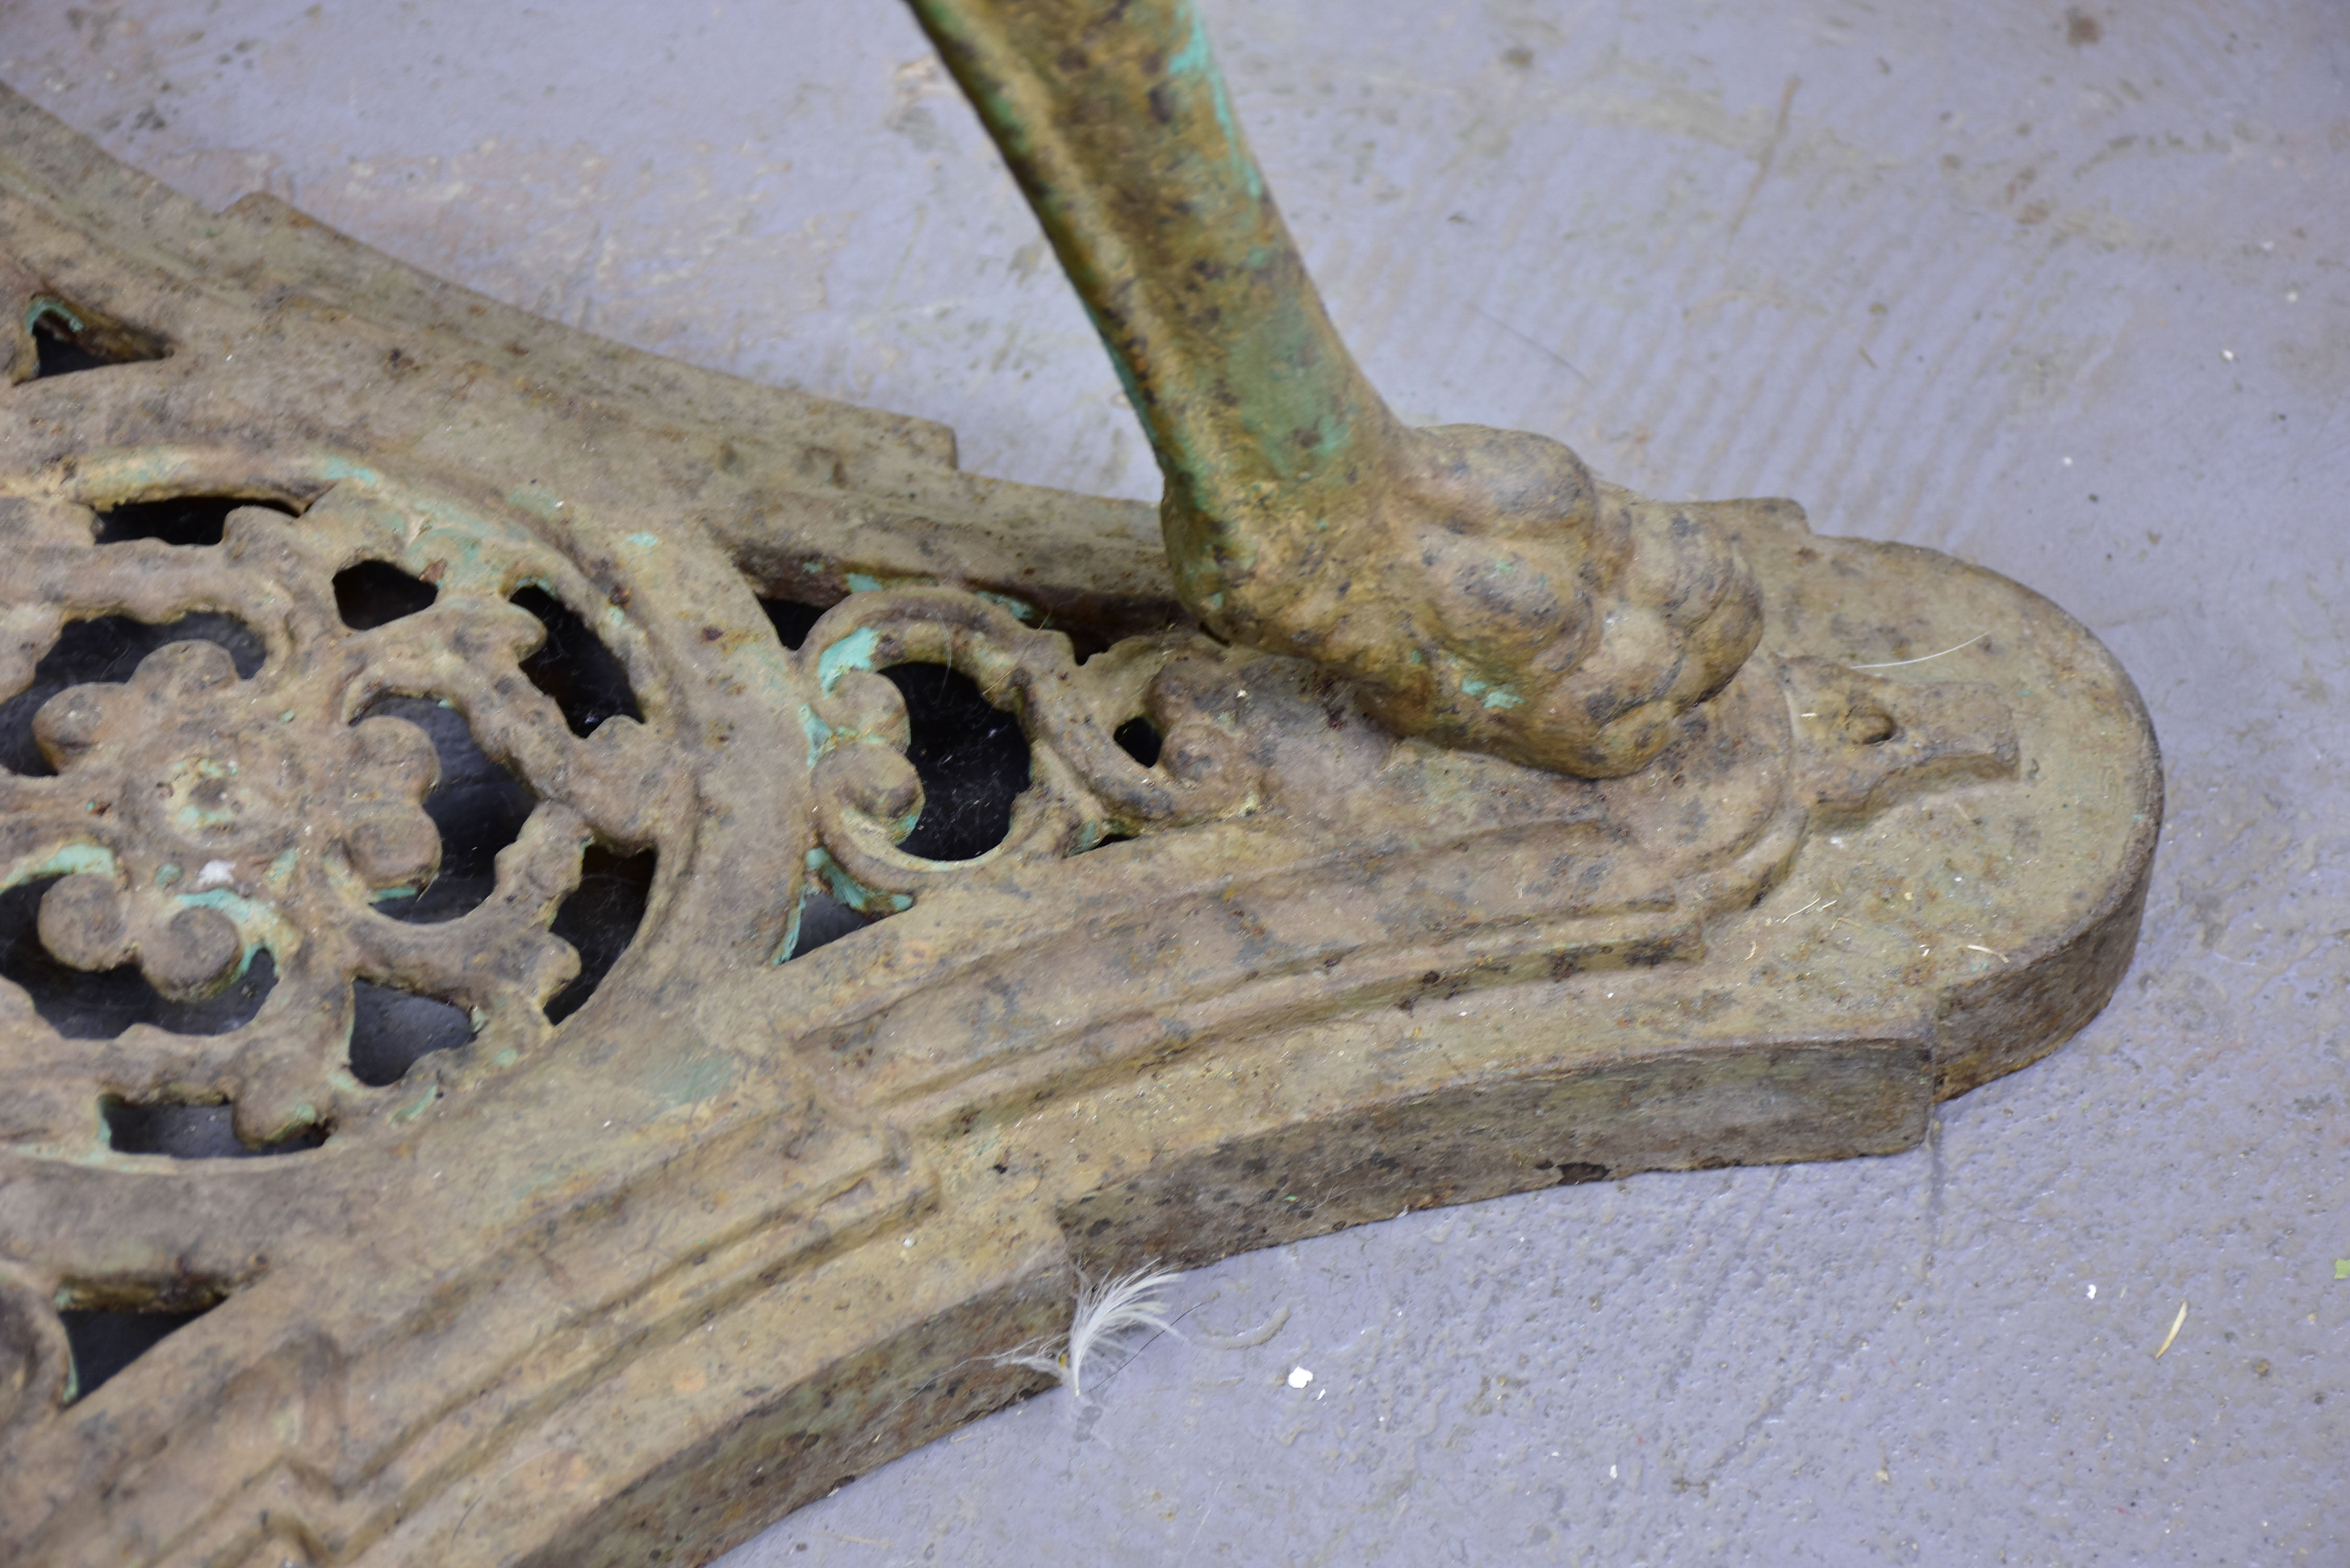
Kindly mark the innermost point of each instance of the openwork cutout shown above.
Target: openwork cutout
(877, 656)
(192, 521)
(66, 943)
(1140, 740)
(105, 1341)
(792, 619)
(283, 863)
(969, 756)
(68, 338)
(108, 649)
(191, 1132)
(600, 919)
(529, 1253)
(474, 807)
(376, 593)
(823, 919)
(574, 666)
(392, 1030)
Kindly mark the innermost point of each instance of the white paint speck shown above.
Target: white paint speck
(216, 873)
(1611, 1472)
(2093, 1292)
(2228, 355)
(1299, 1378)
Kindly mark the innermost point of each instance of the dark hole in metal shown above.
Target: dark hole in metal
(970, 755)
(600, 919)
(391, 1029)
(792, 619)
(189, 520)
(108, 647)
(83, 1004)
(478, 806)
(104, 1342)
(1085, 641)
(70, 337)
(376, 593)
(1140, 740)
(825, 919)
(191, 1132)
(59, 352)
(574, 666)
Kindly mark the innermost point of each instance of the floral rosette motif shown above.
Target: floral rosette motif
(221, 828)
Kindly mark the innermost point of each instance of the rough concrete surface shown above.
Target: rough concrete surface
(2063, 292)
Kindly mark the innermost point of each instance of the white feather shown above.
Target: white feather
(1105, 1309)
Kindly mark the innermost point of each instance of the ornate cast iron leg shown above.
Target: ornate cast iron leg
(1476, 584)
(358, 634)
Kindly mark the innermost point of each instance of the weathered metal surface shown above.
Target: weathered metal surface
(1475, 585)
(626, 1286)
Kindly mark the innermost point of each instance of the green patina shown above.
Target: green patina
(645, 541)
(854, 651)
(342, 470)
(1194, 60)
(43, 307)
(418, 1107)
(1495, 697)
(819, 734)
(791, 928)
(864, 900)
(69, 860)
(258, 925)
(685, 1080)
(1021, 608)
(189, 817)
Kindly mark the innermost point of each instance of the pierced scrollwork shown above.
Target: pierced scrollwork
(201, 822)
(743, 1228)
(1086, 788)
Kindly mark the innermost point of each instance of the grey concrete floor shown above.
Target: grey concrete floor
(2065, 293)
